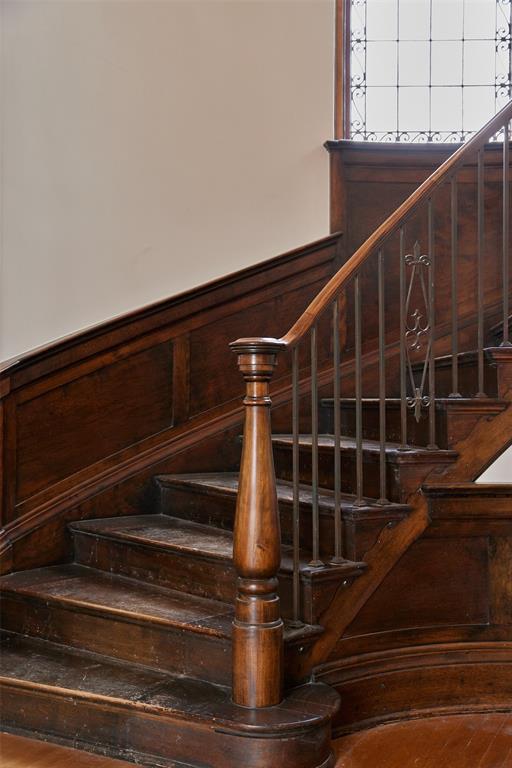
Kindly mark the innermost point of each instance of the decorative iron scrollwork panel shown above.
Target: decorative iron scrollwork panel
(418, 328)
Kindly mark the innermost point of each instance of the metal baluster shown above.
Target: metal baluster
(480, 275)
(315, 561)
(382, 381)
(295, 475)
(432, 319)
(506, 231)
(403, 362)
(337, 433)
(454, 286)
(359, 410)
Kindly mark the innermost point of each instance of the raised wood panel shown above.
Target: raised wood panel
(76, 425)
(211, 361)
(409, 596)
(368, 183)
(87, 421)
(429, 680)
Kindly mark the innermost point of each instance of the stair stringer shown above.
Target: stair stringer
(393, 541)
(486, 440)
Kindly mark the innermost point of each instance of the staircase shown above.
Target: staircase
(128, 649)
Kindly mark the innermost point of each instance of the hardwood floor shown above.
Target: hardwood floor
(19, 752)
(466, 741)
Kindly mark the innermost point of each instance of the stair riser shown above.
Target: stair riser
(417, 432)
(152, 739)
(467, 378)
(219, 511)
(452, 423)
(396, 488)
(358, 536)
(187, 573)
(196, 655)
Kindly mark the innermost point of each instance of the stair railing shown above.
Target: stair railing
(258, 626)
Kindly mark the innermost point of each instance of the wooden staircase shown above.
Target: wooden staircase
(126, 647)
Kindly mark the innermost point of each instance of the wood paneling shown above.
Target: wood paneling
(459, 741)
(72, 426)
(368, 182)
(430, 568)
(87, 421)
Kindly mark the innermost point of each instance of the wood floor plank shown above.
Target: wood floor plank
(21, 752)
(456, 741)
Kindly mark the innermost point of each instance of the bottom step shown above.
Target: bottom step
(156, 719)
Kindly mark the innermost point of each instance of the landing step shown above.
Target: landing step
(140, 714)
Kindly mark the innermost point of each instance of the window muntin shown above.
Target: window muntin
(427, 70)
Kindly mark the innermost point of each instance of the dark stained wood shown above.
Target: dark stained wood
(455, 418)
(210, 499)
(406, 470)
(258, 669)
(380, 234)
(93, 407)
(125, 639)
(142, 715)
(154, 383)
(421, 681)
(194, 558)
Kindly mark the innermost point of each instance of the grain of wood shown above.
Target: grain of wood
(457, 741)
(20, 752)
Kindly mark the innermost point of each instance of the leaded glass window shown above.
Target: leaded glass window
(427, 70)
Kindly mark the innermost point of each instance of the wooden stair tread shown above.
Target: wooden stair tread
(471, 356)
(80, 588)
(164, 531)
(476, 404)
(91, 678)
(227, 483)
(484, 490)
(411, 454)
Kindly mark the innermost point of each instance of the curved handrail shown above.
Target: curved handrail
(321, 302)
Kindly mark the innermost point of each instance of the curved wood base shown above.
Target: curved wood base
(135, 713)
(417, 682)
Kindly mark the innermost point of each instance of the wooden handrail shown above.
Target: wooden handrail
(322, 301)
(258, 628)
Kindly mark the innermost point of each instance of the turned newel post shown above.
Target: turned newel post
(258, 627)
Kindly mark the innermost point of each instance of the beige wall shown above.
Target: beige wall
(148, 147)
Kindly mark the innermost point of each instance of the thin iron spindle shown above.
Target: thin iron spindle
(382, 382)
(480, 275)
(359, 404)
(315, 561)
(337, 433)
(403, 362)
(296, 500)
(454, 288)
(506, 230)
(432, 319)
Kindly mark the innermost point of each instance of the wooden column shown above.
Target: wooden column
(258, 627)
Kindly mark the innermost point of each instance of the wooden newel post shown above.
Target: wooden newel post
(258, 627)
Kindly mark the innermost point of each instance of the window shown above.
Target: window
(427, 70)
